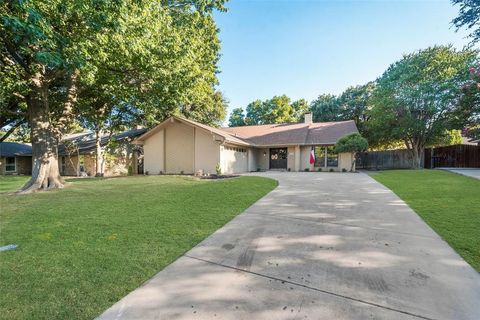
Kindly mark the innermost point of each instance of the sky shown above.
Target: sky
(304, 48)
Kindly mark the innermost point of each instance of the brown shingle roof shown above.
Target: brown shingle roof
(273, 134)
(294, 133)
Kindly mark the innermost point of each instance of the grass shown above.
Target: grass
(12, 183)
(448, 202)
(84, 247)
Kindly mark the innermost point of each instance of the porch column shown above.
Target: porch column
(297, 158)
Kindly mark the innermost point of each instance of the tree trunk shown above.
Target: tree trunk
(417, 155)
(353, 162)
(45, 171)
(98, 154)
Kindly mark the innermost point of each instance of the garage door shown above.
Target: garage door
(234, 160)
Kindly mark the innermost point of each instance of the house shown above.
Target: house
(179, 145)
(76, 155)
(15, 158)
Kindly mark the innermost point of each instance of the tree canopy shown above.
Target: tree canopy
(158, 56)
(279, 109)
(469, 17)
(417, 98)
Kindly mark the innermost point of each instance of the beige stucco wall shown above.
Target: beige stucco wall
(207, 152)
(179, 148)
(153, 153)
(345, 161)
(305, 157)
(264, 159)
(291, 158)
(253, 158)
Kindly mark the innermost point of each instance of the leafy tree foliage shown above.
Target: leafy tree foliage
(237, 118)
(470, 104)
(326, 108)
(159, 56)
(279, 109)
(355, 105)
(469, 17)
(418, 96)
(353, 143)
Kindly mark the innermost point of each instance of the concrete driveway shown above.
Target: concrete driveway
(320, 246)
(469, 172)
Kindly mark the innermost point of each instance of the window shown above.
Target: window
(319, 156)
(63, 165)
(236, 149)
(10, 164)
(332, 157)
(81, 164)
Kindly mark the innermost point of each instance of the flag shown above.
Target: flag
(312, 156)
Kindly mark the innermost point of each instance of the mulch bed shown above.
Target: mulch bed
(222, 176)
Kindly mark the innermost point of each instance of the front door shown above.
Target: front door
(278, 158)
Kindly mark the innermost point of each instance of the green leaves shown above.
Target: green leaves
(469, 17)
(418, 96)
(353, 142)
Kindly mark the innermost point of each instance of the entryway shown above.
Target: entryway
(278, 158)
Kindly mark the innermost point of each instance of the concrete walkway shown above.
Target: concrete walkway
(474, 173)
(320, 246)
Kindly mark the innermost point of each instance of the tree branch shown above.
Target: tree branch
(11, 130)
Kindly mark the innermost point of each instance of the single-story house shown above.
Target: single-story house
(15, 158)
(179, 145)
(76, 155)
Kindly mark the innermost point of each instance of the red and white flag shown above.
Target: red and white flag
(312, 156)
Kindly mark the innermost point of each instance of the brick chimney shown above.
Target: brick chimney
(308, 118)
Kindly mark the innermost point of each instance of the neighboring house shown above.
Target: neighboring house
(76, 154)
(179, 145)
(15, 158)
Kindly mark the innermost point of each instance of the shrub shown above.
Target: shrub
(319, 169)
(344, 170)
(306, 169)
(218, 169)
(353, 143)
(331, 170)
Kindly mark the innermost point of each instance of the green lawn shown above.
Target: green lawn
(84, 247)
(448, 202)
(12, 183)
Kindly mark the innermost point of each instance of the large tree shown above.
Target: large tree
(49, 48)
(355, 105)
(326, 107)
(279, 109)
(237, 118)
(418, 96)
(469, 17)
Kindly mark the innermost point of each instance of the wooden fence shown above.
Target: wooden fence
(457, 156)
(380, 160)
